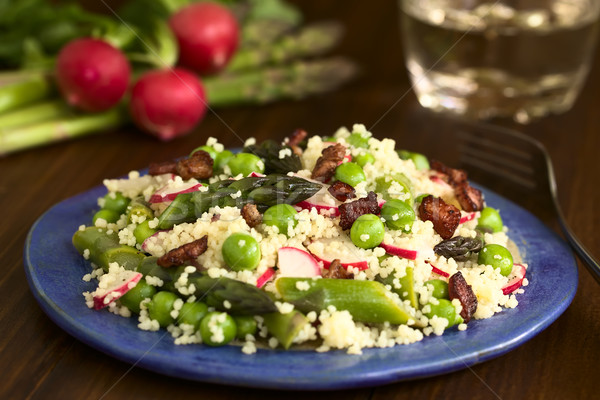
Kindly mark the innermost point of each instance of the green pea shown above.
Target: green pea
(350, 173)
(241, 251)
(440, 288)
(384, 185)
(398, 215)
(358, 140)
(245, 164)
(136, 294)
(222, 159)
(246, 325)
(281, 216)
(107, 215)
(217, 329)
(192, 314)
(143, 232)
(490, 218)
(210, 150)
(160, 308)
(115, 201)
(367, 231)
(445, 309)
(498, 257)
(421, 162)
(364, 159)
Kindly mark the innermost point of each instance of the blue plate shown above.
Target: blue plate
(54, 270)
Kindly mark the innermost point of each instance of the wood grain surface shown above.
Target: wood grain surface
(38, 360)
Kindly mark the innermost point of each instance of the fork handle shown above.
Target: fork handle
(592, 265)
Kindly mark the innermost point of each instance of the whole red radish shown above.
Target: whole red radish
(208, 35)
(167, 103)
(91, 74)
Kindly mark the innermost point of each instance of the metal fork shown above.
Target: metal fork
(515, 157)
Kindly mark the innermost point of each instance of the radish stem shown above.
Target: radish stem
(38, 112)
(24, 91)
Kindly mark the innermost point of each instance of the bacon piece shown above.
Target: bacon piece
(296, 137)
(251, 215)
(199, 166)
(166, 167)
(326, 164)
(349, 212)
(337, 271)
(184, 254)
(469, 198)
(458, 288)
(451, 175)
(342, 191)
(445, 217)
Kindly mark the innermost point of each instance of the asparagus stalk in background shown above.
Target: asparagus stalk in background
(313, 40)
(59, 129)
(35, 113)
(296, 80)
(24, 91)
(263, 32)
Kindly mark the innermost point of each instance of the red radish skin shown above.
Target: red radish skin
(399, 251)
(169, 194)
(265, 277)
(116, 291)
(297, 263)
(318, 202)
(167, 103)
(467, 218)
(350, 260)
(91, 74)
(256, 175)
(208, 35)
(518, 274)
(438, 271)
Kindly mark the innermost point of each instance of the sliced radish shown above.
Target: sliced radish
(323, 202)
(438, 271)
(439, 181)
(342, 248)
(113, 285)
(297, 263)
(467, 218)
(516, 279)
(154, 238)
(265, 277)
(399, 251)
(168, 193)
(256, 175)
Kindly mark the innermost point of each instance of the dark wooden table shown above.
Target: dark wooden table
(39, 360)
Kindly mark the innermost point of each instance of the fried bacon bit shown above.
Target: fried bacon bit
(296, 137)
(326, 164)
(349, 212)
(469, 198)
(337, 271)
(199, 166)
(458, 288)
(445, 217)
(251, 215)
(184, 254)
(167, 167)
(450, 175)
(342, 191)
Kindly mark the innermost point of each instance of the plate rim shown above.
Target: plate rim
(372, 378)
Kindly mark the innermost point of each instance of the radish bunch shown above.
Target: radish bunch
(94, 76)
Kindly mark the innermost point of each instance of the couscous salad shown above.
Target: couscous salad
(341, 242)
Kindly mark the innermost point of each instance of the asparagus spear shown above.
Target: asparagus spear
(58, 129)
(367, 301)
(296, 80)
(313, 40)
(275, 189)
(285, 327)
(24, 91)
